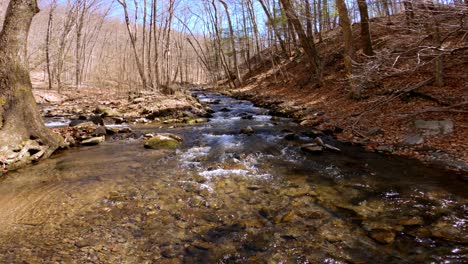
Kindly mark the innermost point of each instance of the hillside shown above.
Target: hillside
(399, 95)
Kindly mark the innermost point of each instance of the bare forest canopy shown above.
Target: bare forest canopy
(151, 44)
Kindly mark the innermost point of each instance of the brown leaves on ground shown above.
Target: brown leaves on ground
(384, 107)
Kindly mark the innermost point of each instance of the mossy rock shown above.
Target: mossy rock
(162, 141)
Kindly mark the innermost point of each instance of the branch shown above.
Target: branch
(437, 109)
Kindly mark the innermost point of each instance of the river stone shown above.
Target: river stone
(96, 119)
(434, 127)
(163, 141)
(99, 131)
(247, 130)
(448, 229)
(80, 123)
(383, 236)
(413, 139)
(291, 136)
(104, 112)
(374, 131)
(196, 121)
(93, 141)
(312, 148)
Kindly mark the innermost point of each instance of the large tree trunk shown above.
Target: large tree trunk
(347, 35)
(23, 136)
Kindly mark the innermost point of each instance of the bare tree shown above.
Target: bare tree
(132, 35)
(307, 44)
(365, 32)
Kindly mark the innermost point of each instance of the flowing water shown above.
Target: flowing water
(226, 197)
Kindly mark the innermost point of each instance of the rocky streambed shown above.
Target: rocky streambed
(244, 187)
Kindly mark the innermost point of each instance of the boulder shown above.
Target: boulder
(434, 127)
(163, 141)
(93, 141)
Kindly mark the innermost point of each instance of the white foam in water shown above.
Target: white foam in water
(226, 141)
(206, 187)
(117, 126)
(223, 172)
(262, 117)
(195, 152)
(56, 124)
(189, 157)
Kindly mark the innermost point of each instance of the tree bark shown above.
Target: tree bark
(307, 43)
(233, 43)
(365, 32)
(345, 24)
(23, 136)
(47, 46)
(273, 25)
(140, 66)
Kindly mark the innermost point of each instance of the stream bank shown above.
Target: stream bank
(437, 140)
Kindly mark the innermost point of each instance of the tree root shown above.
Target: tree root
(29, 152)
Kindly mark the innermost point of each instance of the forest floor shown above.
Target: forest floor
(394, 115)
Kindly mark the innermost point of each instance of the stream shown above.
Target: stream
(227, 197)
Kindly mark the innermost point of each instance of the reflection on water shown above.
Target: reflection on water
(226, 197)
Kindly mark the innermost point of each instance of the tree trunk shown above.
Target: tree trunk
(47, 46)
(347, 35)
(307, 44)
(140, 66)
(273, 25)
(409, 12)
(23, 136)
(365, 32)
(233, 43)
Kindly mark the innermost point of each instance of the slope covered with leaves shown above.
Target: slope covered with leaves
(398, 90)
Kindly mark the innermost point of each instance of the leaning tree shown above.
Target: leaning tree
(23, 135)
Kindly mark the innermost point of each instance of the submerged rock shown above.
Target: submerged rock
(93, 141)
(383, 236)
(450, 229)
(163, 141)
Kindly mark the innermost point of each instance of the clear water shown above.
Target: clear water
(225, 197)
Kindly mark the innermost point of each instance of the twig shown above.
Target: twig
(387, 100)
(437, 109)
